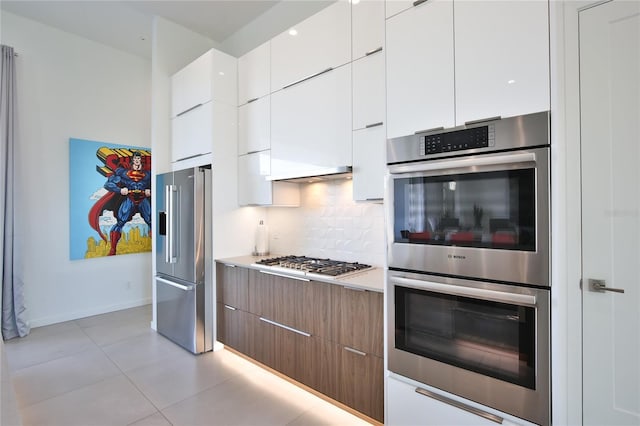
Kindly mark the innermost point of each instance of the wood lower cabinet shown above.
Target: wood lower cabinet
(325, 336)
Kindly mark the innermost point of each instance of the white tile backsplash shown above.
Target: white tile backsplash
(329, 223)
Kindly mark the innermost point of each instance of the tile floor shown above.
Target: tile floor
(112, 369)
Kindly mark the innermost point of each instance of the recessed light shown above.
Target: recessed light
(511, 81)
(293, 32)
(221, 72)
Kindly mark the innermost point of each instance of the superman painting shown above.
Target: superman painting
(110, 187)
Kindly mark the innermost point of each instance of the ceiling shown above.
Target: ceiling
(236, 26)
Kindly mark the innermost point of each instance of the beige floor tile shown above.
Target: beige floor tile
(327, 414)
(234, 402)
(39, 348)
(168, 381)
(143, 350)
(49, 379)
(112, 332)
(54, 328)
(156, 419)
(113, 401)
(137, 314)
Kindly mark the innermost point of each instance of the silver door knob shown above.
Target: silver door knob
(600, 286)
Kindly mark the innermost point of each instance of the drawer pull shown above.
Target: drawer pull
(189, 109)
(308, 78)
(482, 120)
(285, 276)
(252, 100)
(418, 2)
(433, 129)
(371, 52)
(379, 123)
(228, 265)
(460, 405)
(191, 156)
(231, 308)
(355, 351)
(277, 324)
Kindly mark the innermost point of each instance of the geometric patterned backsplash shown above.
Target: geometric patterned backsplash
(329, 224)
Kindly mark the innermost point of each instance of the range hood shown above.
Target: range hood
(317, 175)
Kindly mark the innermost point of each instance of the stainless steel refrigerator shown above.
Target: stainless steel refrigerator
(183, 258)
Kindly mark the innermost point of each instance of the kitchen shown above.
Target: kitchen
(285, 235)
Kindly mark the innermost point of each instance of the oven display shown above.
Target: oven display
(478, 137)
(491, 338)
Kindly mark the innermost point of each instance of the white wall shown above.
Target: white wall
(71, 87)
(330, 224)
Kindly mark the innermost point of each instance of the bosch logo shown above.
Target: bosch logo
(456, 256)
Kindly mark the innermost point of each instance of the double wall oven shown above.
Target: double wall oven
(468, 254)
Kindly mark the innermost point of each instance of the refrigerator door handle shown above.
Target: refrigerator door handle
(173, 284)
(170, 256)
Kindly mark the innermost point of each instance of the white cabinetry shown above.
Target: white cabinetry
(311, 125)
(406, 407)
(367, 27)
(254, 71)
(254, 126)
(502, 58)
(319, 42)
(255, 190)
(199, 91)
(369, 163)
(369, 133)
(420, 68)
(393, 7)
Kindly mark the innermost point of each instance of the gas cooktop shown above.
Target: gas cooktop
(325, 267)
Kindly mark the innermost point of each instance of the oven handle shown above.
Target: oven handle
(527, 157)
(476, 293)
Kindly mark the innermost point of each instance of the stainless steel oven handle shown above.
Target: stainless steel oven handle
(457, 404)
(476, 293)
(527, 157)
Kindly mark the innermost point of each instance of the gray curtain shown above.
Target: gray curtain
(14, 323)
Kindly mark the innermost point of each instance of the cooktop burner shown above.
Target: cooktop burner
(312, 265)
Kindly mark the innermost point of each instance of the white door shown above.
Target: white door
(610, 143)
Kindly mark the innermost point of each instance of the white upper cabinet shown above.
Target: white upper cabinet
(212, 76)
(311, 125)
(367, 20)
(321, 41)
(368, 91)
(254, 126)
(501, 57)
(255, 190)
(254, 74)
(192, 133)
(369, 163)
(420, 68)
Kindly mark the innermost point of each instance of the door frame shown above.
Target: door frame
(566, 212)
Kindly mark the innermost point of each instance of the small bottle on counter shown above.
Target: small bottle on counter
(261, 247)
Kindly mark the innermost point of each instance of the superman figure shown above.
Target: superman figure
(129, 193)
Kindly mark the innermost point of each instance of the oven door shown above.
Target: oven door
(482, 216)
(485, 342)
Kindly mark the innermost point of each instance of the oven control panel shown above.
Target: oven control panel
(477, 137)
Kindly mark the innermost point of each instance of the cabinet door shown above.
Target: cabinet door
(262, 345)
(319, 42)
(192, 133)
(233, 327)
(369, 163)
(311, 125)
(352, 310)
(254, 126)
(192, 85)
(232, 284)
(254, 73)
(362, 382)
(367, 20)
(253, 187)
(420, 71)
(368, 91)
(260, 294)
(314, 310)
(502, 58)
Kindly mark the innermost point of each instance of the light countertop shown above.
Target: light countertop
(370, 279)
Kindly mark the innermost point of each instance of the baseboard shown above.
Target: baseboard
(69, 316)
